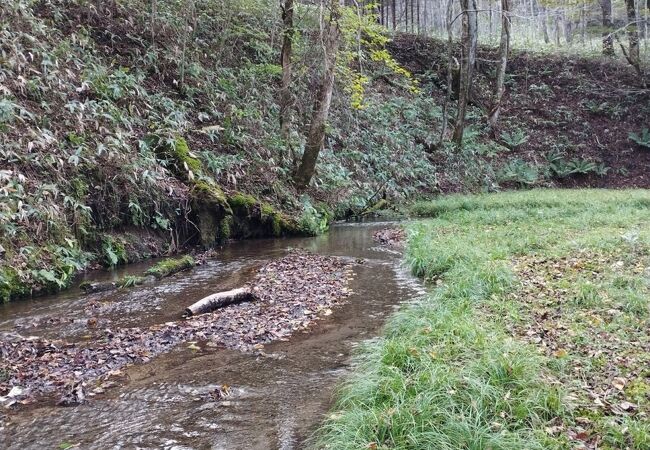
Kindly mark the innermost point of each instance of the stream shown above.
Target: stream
(276, 398)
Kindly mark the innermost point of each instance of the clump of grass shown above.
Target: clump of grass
(462, 368)
(130, 281)
(171, 266)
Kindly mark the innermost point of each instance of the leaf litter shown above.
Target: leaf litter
(580, 312)
(391, 237)
(292, 293)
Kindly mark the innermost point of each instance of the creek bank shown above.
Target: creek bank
(293, 292)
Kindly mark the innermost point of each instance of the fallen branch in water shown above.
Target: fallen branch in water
(292, 293)
(219, 300)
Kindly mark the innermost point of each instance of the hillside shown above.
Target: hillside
(565, 121)
(126, 134)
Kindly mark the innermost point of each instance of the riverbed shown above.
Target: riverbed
(198, 396)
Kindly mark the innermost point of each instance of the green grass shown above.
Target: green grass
(540, 306)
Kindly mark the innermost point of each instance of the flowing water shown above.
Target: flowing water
(276, 399)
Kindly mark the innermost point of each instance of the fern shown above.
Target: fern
(642, 139)
(514, 139)
(520, 172)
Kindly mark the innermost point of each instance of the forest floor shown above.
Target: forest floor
(534, 334)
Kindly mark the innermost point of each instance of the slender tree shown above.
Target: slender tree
(504, 49)
(608, 39)
(320, 112)
(633, 54)
(286, 99)
(468, 59)
(451, 66)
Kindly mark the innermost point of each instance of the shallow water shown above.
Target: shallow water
(276, 399)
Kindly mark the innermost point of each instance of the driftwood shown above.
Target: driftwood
(219, 300)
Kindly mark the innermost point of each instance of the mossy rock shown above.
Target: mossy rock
(226, 227)
(253, 218)
(171, 266)
(211, 209)
(209, 203)
(240, 200)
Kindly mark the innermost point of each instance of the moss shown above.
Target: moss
(637, 390)
(225, 228)
(209, 203)
(381, 204)
(210, 193)
(211, 208)
(171, 266)
(240, 200)
(268, 210)
(276, 226)
(181, 153)
(11, 285)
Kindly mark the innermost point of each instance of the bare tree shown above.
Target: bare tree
(320, 112)
(504, 49)
(286, 99)
(468, 59)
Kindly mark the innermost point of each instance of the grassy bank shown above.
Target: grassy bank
(535, 335)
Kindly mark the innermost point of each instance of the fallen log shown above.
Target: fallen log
(219, 300)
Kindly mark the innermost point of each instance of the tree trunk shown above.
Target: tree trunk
(468, 58)
(583, 23)
(568, 30)
(491, 27)
(394, 15)
(504, 48)
(633, 36)
(450, 70)
(316, 136)
(406, 16)
(412, 17)
(219, 300)
(286, 99)
(544, 24)
(608, 39)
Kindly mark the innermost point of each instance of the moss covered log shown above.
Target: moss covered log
(171, 266)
